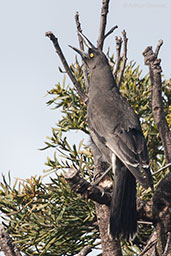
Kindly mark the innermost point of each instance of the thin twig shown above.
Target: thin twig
(160, 42)
(145, 222)
(66, 66)
(150, 243)
(124, 57)
(110, 32)
(163, 168)
(102, 176)
(85, 73)
(167, 244)
(118, 55)
(78, 24)
(103, 21)
(148, 247)
(86, 250)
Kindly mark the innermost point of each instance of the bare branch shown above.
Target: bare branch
(150, 59)
(103, 21)
(110, 246)
(166, 250)
(118, 55)
(66, 66)
(85, 73)
(86, 250)
(102, 176)
(145, 222)
(6, 244)
(150, 244)
(83, 187)
(163, 168)
(160, 42)
(110, 31)
(78, 24)
(99, 195)
(162, 213)
(124, 57)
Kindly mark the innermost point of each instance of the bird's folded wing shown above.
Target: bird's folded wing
(130, 148)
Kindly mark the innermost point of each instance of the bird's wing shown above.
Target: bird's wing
(109, 112)
(117, 126)
(130, 148)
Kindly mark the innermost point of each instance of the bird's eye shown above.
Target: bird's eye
(91, 55)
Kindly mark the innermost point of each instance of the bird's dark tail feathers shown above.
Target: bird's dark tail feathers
(123, 218)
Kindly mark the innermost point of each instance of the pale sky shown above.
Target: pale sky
(29, 64)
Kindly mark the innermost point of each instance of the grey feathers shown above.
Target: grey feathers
(117, 135)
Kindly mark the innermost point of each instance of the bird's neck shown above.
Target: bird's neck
(101, 79)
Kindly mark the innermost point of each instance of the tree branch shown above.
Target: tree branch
(159, 209)
(163, 168)
(160, 42)
(66, 66)
(79, 185)
(103, 21)
(151, 60)
(85, 73)
(162, 214)
(101, 195)
(110, 31)
(110, 246)
(118, 41)
(167, 249)
(150, 246)
(86, 250)
(124, 57)
(6, 244)
(83, 187)
(78, 25)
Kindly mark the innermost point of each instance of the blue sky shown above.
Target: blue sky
(29, 65)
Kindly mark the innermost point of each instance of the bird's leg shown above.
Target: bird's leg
(96, 182)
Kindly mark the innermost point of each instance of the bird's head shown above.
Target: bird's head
(93, 57)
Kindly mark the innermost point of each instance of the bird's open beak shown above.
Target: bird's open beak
(86, 41)
(89, 45)
(83, 54)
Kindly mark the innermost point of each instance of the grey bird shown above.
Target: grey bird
(116, 131)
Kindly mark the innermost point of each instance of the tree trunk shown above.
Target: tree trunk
(110, 246)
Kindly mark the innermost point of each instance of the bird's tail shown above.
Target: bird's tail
(123, 219)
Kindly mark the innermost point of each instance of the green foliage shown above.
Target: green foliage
(49, 219)
(74, 111)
